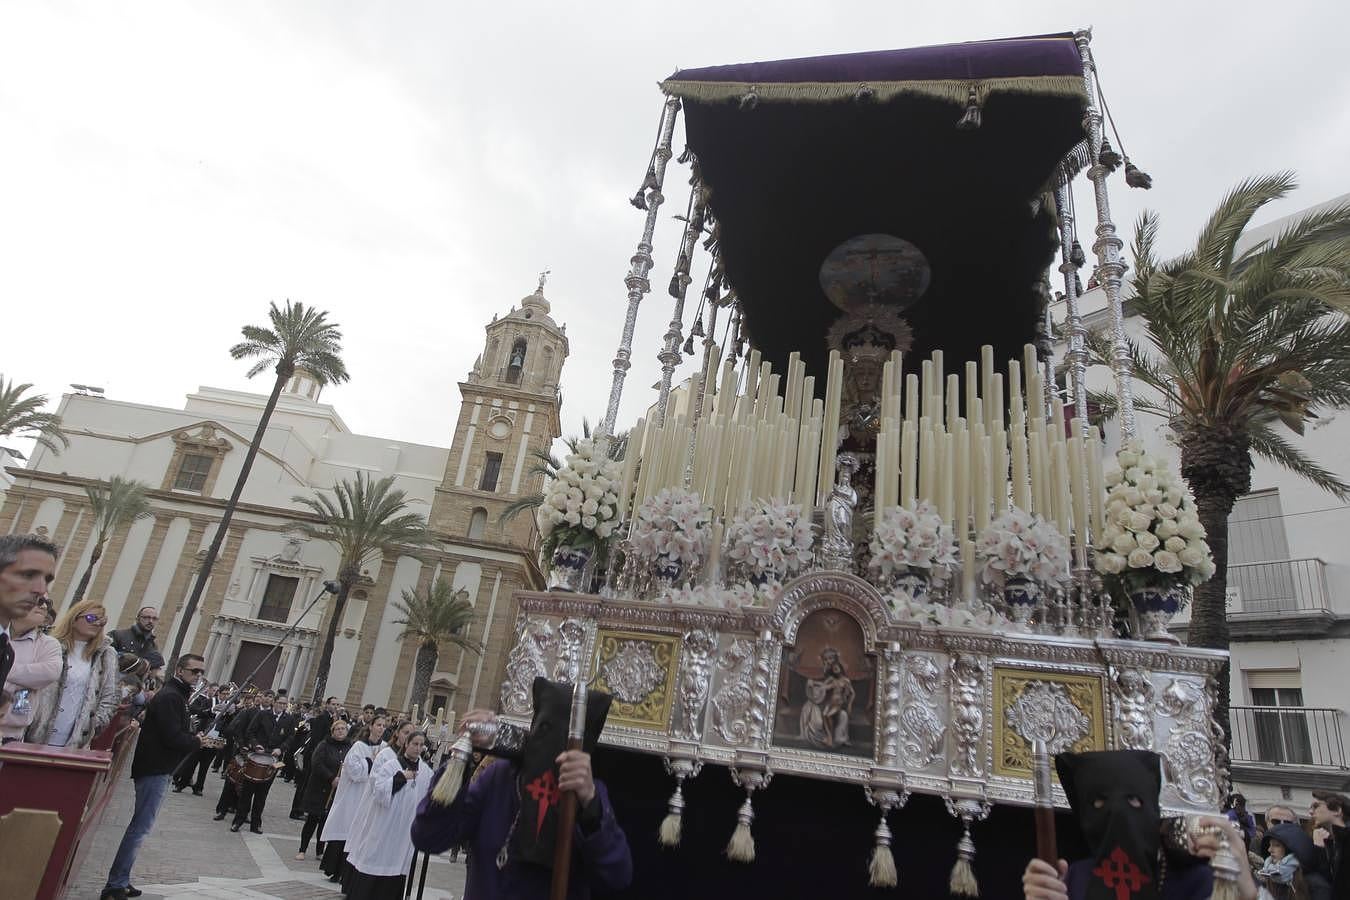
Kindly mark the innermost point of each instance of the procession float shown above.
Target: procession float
(841, 583)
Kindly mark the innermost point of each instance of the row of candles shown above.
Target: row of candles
(775, 440)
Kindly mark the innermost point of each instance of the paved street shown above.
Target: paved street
(190, 856)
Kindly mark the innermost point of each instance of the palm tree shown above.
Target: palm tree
(22, 416)
(301, 337)
(115, 502)
(364, 519)
(433, 617)
(1239, 344)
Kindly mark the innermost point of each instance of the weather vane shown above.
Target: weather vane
(543, 277)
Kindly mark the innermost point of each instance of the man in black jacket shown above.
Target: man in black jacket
(165, 739)
(268, 731)
(138, 642)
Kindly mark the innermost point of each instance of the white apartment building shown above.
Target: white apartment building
(1288, 598)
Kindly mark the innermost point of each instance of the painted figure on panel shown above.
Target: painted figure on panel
(825, 696)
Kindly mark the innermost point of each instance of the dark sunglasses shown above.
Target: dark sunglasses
(94, 619)
(1273, 822)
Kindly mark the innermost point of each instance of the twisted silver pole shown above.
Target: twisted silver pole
(669, 357)
(636, 281)
(1108, 244)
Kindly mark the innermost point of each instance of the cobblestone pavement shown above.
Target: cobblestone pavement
(189, 856)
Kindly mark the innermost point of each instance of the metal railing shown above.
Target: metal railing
(1278, 586)
(1288, 736)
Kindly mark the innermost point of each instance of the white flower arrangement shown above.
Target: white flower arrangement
(914, 541)
(673, 525)
(929, 614)
(581, 500)
(1022, 545)
(770, 541)
(1153, 536)
(731, 597)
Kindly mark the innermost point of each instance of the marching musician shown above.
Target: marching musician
(201, 712)
(268, 732)
(1135, 852)
(235, 744)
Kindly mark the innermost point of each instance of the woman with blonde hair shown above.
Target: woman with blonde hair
(81, 703)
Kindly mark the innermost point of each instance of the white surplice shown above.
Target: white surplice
(387, 846)
(360, 827)
(350, 789)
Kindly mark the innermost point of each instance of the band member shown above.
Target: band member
(1114, 795)
(235, 743)
(517, 862)
(201, 712)
(268, 732)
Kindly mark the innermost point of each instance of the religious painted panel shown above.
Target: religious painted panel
(1064, 710)
(827, 688)
(638, 670)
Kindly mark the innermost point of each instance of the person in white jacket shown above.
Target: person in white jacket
(398, 783)
(346, 800)
(38, 662)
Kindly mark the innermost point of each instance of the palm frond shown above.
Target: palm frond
(437, 615)
(117, 502)
(1266, 443)
(301, 337)
(23, 416)
(364, 519)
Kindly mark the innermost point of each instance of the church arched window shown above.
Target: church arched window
(477, 522)
(516, 363)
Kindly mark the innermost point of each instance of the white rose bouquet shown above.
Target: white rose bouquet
(1022, 545)
(673, 526)
(1153, 537)
(580, 501)
(770, 541)
(913, 541)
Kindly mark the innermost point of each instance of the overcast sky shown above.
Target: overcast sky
(168, 168)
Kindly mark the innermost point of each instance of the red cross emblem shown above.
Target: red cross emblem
(544, 790)
(1120, 873)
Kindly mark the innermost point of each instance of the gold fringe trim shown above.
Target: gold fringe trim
(955, 91)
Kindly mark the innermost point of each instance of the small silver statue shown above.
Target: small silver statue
(836, 541)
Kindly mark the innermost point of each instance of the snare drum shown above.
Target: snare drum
(258, 768)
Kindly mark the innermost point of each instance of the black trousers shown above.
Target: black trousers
(301, 779)
(201, 761)
(252, 799)
(229, 798)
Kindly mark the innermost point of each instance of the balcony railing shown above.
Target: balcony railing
(1288, 736)
(1280, 586)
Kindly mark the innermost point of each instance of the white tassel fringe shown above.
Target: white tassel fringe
(881, 871)
(741, 847)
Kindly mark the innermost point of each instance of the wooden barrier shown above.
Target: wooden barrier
(51, 800)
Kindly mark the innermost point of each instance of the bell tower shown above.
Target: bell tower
(510, 410)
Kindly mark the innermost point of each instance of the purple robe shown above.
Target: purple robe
(481, 817)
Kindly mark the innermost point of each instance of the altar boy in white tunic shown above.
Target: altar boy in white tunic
(361, 824)
(398, 784)
(356, 768)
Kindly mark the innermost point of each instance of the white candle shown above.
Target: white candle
(961, 479)
(953, 401)
(946, 489)
(980, 470)
(1063, 503)
(1036, 449)
(996, 404)
(927, 463)
(998, 482)
(710, 573)
(1021, 487)
(909, 467)
(972, 389)
(1097, 478)
(912, 398)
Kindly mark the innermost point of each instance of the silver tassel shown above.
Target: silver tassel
(971, 119)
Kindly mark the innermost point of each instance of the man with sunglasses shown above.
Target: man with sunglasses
(135, 645)
(166, 737)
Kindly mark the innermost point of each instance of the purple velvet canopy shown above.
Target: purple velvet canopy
(800, 155)
(1043, 63)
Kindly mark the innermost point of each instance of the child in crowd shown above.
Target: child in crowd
(1279, 868)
